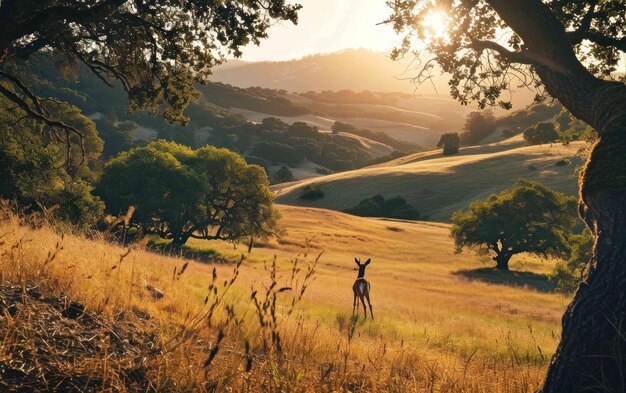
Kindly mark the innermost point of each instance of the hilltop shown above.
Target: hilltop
(438, 185)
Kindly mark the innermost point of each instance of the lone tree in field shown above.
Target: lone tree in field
(156, 50)
(541, 133)
(180, 193)
(526, 218)
(571, 49)
(450, 143)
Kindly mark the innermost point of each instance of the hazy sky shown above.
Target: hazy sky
(327, 26)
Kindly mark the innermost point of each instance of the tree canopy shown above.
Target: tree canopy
(180, 193)
(34, 170)
(450, 143)
(541, 133)
(492, 46)
(157, 51)
(526, 218)
(377, 206)
(478, 126)
(283, 175)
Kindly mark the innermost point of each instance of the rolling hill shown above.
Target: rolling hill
(438, 185)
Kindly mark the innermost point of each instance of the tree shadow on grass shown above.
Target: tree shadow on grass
(511, 278)
(207, 255)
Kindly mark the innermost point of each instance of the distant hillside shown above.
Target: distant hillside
(351, 69)
(438, 185)
(385, 125)
(307, 147)
(355, 69)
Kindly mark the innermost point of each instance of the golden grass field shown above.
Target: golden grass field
(438, 185)
(444, 322)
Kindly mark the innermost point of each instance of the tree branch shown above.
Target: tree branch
(522, 57)
(576, 37)
(41, 114)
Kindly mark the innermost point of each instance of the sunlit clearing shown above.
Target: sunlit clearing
(435, 24)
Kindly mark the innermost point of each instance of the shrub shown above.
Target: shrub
(541, 133)
(323, 171)
(377, 206)
(450, 143)
(311, 192)
(283, 175)
(563, 162)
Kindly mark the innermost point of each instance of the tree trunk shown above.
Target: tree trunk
(179, 240)
(502, 261)
(592, 354)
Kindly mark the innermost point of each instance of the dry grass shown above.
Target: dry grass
(436, 329)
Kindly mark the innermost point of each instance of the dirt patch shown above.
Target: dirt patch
(54, 344)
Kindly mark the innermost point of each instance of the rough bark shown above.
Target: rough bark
(591, 356)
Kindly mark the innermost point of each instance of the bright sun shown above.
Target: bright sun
(435, 24)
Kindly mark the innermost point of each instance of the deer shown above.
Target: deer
(361, 288)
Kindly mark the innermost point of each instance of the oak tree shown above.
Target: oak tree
(527, 218)
(179, 193)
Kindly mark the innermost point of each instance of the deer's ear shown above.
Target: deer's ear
(357, 261)
(368, 261)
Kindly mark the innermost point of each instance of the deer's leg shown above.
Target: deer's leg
(367, 296)
(364, 308)
(354, 304)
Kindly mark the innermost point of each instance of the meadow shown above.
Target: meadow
(444, 322)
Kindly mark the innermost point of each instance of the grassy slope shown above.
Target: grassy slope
(439, 324)
(438, 185)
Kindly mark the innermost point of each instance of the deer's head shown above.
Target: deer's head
(362, 266)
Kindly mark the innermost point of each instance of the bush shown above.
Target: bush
(450, 143)
(541, 133)
(377, 206)
(311, 192)
(323, 171)
(283, 175)
(563, 162)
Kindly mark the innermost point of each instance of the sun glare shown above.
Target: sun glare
(435, 24)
